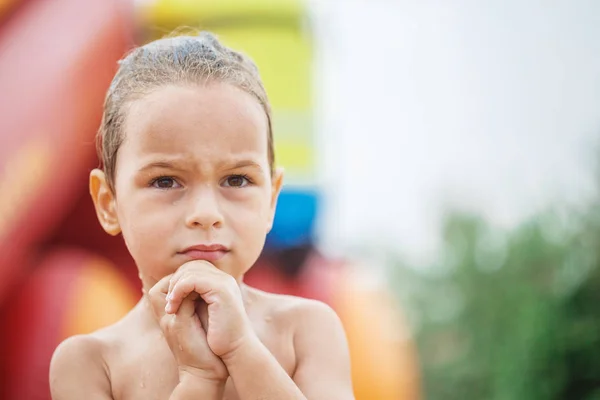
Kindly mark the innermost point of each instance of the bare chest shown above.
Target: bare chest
(145, 369)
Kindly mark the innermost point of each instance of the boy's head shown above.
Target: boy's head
(179, 60)
(187, 153)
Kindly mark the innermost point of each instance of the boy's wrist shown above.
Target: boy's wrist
(201, 376)
(249, 349)
(192, 386)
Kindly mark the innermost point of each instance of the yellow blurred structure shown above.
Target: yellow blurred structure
(274, 34)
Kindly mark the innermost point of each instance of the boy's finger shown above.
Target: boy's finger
(202, 313)
(190, 267)
(157, 296)
(184, 332)
(187, 308)
(174, 278)
(183, 287)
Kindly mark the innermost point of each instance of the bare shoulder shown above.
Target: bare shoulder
(80, 364)
(78, 369)
(320, 345)
(315, 324)
(298, 312)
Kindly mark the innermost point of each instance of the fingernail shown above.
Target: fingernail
(170, 297)
(168, 308)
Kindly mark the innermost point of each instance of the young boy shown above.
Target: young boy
(188, 179)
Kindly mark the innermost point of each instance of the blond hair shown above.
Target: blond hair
(196, 60)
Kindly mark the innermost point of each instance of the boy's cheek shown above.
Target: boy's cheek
(145, 240)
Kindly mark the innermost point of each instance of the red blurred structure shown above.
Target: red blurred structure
(60, 274)
(56, 61)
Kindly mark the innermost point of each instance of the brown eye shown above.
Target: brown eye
(236, 181)
(165, 182)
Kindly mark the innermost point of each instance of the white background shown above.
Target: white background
(492, 106)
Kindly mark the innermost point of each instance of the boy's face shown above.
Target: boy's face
(192, 181)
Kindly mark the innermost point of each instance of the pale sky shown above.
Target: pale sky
(489, 105)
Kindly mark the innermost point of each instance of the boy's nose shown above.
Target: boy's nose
(205, 211)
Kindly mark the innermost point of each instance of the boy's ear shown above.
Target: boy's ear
(277, 184)
(104, 201)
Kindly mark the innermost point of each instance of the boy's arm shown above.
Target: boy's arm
(323, 366)
(323, 362)
(77, 370)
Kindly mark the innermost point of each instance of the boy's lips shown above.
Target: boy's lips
(207, 252)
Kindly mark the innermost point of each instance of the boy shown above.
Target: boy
(188, 179)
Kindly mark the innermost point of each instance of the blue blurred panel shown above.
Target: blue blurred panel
(294, 219)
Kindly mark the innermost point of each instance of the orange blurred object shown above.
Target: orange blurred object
(384, 359)
(6, 6)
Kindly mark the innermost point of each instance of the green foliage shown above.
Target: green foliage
(510, 315)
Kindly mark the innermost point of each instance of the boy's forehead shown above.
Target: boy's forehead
(183, 119)
(185, 124)
(215, 105)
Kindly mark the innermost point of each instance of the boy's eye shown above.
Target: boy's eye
(236, 181)
(165, 182)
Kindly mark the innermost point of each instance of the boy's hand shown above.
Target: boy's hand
(185, 335)
(227, 325)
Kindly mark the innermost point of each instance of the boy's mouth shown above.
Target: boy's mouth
(206, 252)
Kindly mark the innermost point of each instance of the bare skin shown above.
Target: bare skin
(194, 198)
(131, 359)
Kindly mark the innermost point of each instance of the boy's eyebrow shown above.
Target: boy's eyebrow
(245, 163)
(173, 165)
(159, 164)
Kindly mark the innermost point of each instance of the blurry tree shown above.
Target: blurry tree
(510, 315)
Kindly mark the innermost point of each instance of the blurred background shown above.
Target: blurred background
(441, 194)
